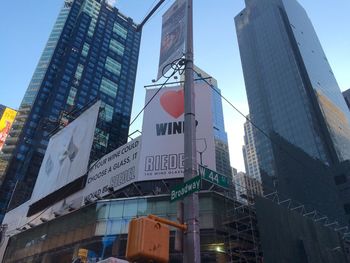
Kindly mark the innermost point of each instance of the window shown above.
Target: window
(119, 30)
(108, 87)
(340, 179)
(85, 50)
(116, 47)
(108, 112)
(112, 66)
(71, 96)
(347, 208)
(79, 71)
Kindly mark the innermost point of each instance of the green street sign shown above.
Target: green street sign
(213, 177)
(185, 189)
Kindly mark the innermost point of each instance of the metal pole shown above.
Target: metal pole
(140, 26)
(191, 204)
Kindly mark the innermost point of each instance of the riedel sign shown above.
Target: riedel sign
(162, 153)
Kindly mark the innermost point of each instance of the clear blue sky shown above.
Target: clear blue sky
(26, 25)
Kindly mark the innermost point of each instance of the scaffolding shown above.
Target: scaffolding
(241, 232)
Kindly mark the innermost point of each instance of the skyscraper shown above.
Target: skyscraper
(249, 152)
(92, 53)
(246, 187)
(222, 154)
(294, 98)
(346, 95)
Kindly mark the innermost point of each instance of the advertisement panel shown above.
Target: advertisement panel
(116, 169)
(5, 124)
(173, 35)
(162, 152)
(67, 154)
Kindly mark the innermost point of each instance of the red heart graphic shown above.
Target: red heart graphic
(173, 102)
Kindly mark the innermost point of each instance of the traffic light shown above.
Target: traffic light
(147, 240)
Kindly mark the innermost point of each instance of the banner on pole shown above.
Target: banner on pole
(162, 151)
(173, 36)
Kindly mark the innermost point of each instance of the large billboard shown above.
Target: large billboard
(5, 124)
(172, 44)
(67, 154)
(162, 152)
(116, 169)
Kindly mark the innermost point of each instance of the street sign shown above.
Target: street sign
(182, 190)
(213, 177)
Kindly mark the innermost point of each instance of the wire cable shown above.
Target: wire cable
(177, 67)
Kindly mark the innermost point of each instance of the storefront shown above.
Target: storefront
(100, 229)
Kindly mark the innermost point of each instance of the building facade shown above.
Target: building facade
(105, 230)
(293, 97)
(249, 152)
(222, 154)
(346, 95)
(91, 54)
(247, 187)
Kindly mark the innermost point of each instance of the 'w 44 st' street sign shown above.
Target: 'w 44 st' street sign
(213, 177)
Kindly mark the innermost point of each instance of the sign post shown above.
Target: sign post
(191, 202)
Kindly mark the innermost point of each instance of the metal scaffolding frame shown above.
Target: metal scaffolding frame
(242, 240)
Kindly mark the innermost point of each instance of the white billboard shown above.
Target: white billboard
(116, 169)
(162, 152)
(67, 154)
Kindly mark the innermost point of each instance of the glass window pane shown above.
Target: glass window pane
(116, 210)
(130, 208)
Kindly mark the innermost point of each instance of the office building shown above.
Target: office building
(346, 95)
(234, 171)
(222, 154)
(91, 54)
(249, 152)
(247, 187)
(294, 98)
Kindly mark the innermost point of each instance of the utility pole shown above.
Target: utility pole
(191, 203)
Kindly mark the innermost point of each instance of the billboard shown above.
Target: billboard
(5, 124)
(116, 169)
(162, 152)
(67, 154)
(173, 35)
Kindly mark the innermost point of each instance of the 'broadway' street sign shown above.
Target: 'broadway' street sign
(182, 190)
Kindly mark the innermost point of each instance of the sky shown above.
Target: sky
(26, 25)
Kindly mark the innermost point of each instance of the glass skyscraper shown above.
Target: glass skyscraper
(346, 95)
(91, 54)
(293, 96)
(222, 154)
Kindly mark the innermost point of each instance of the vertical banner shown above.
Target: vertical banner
(5, 124)
(173, 35)
(162, 151)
